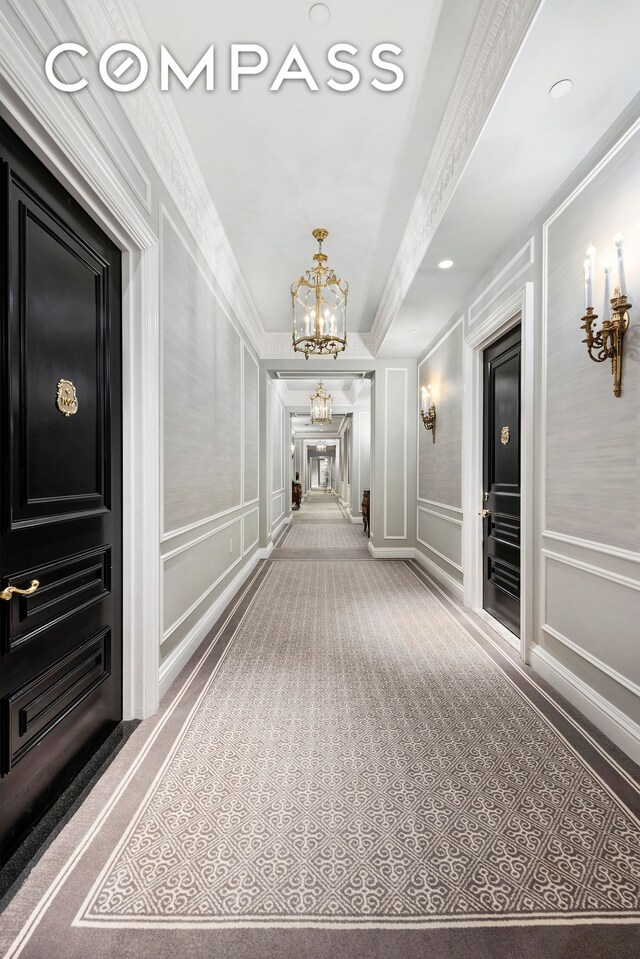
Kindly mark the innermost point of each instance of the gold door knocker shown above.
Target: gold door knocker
(505, 435)
(66, 398)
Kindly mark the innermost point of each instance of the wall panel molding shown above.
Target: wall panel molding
(600, 573)
(405, 450)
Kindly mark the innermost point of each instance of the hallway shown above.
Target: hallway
(352, 751)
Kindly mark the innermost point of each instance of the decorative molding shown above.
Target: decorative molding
(144, 195)
(587, 544)
(584, 183)
(194, 542)
(617, 578)
(247, 549)
(497, 36)
(433, 512)
(546, 627)
(512, 308)
(438, 573)
(620, 728)
(439, 342)
(593, 660)
(155, 120)
(445, 559)
(207, 592)
(404, 370)
(523, 259)
(56, 134)
(433, 502)
(180, 656)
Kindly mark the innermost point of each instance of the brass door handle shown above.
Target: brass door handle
(10, 590)
(484, 513)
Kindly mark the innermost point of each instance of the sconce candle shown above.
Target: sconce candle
(606, 343)
(607, 289)
(622, 283)
(428, 411)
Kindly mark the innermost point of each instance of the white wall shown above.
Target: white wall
(584, 495)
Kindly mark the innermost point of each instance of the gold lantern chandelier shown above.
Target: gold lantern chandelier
(321, 405)
(319, 304)
(321, 446)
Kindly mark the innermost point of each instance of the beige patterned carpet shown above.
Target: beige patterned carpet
(344, 535)
(318, 507)
(359, 760)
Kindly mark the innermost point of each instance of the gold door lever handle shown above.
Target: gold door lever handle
(10, 590)
(484, 513)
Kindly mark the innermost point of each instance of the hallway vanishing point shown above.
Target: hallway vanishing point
(350, 752)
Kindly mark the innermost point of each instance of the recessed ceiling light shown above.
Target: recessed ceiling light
(445, 264)
(319, 13)
(560, 89)
(413, 331)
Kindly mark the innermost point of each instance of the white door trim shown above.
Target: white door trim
(56, 135)
(514, 309)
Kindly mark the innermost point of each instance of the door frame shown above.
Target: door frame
(53, 132)
(515, 309)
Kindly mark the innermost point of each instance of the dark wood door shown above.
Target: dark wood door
(60, 489)
(501, 541)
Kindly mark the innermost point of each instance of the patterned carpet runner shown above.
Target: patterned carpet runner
(358, 760)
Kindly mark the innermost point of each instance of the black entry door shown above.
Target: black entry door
(501, 541)
(60, 489)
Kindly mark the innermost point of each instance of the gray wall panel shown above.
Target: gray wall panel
(251, 427)
(593, 438)
(191, 572)
(440, 464)
(201, 393)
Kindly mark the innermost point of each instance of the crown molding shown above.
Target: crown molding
(157, 124)
(497, 37)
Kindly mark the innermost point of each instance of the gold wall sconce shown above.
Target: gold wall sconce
(606, 343)
(428, 411)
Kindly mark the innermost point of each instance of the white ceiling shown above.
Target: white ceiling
(529, 146)
(278, 164)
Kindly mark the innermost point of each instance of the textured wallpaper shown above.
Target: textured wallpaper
(440, 464)
(201, 393)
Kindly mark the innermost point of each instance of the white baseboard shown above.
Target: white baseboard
(177, 660)
(615, 724)
(391, 552)
(439, 574)
(283, 522)
(265, 552)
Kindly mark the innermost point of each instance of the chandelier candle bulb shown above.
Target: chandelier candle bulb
(622, 283)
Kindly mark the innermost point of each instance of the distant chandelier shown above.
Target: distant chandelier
(321, 405)
(321, 446)
(319, 304)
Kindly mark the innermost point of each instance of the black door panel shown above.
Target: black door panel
(501, 467)
(60, 489)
